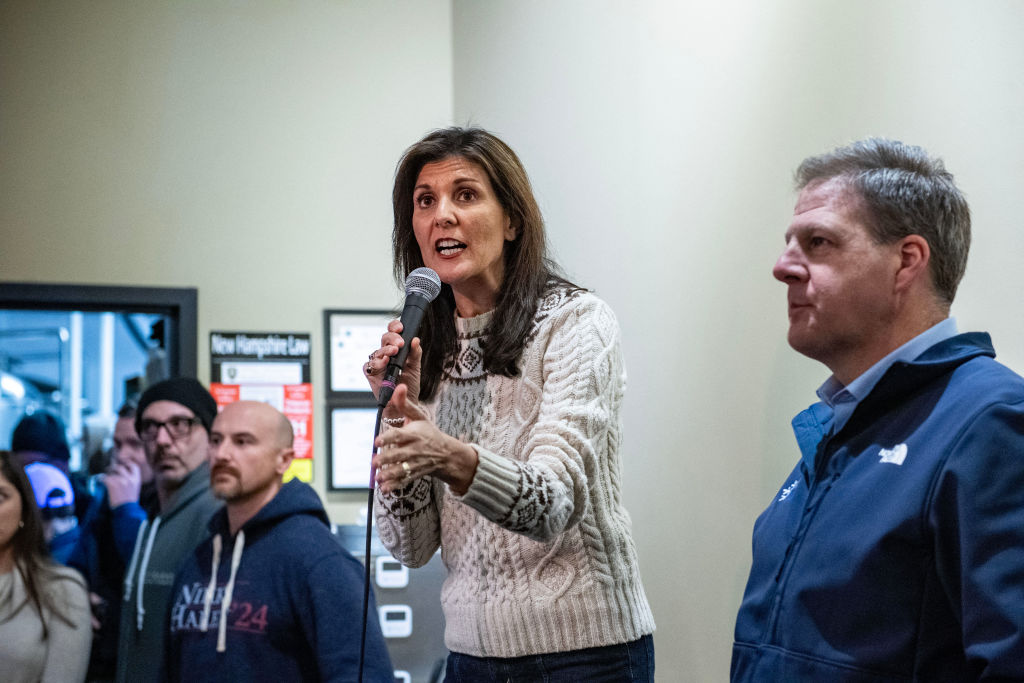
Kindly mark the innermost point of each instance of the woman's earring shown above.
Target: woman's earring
(21, 524)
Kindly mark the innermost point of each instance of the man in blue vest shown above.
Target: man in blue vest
(895, 549)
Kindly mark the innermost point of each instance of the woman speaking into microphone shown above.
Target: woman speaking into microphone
(501, 440)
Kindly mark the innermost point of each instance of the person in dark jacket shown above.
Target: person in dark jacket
(125, 500)
(40, 437)
(895, 549)
(271, 593)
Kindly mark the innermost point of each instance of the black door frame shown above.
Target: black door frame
(179, 304)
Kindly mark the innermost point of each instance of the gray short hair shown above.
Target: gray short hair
(904, 191)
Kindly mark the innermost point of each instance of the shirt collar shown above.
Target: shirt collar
(843, 399)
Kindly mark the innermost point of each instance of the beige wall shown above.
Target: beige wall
(243, 148)
(247, 149)
(661, 138)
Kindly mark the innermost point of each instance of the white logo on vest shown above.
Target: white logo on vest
(895, 455)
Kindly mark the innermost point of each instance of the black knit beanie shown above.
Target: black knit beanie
(184, 390)
(42, 432)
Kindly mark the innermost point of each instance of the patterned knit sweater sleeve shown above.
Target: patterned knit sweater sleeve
(408, 520)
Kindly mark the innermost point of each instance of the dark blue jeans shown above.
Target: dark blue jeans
(625, 663)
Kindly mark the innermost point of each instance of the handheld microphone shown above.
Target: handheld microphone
(421, 287)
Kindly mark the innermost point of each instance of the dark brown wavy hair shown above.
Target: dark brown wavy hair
(31, 555)
(529, 271)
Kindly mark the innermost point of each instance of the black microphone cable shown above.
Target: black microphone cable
(421, 287)
(369, 537)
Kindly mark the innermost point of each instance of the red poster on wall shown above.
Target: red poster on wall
(272, 368)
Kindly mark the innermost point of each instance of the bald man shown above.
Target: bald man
(271, 595)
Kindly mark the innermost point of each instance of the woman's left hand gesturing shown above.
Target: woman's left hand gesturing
(419, 449)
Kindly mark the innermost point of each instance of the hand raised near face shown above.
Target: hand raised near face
(124, 483)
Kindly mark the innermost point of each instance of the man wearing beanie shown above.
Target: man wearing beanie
(173, 420)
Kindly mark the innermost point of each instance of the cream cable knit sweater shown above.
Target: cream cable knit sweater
(539, 552)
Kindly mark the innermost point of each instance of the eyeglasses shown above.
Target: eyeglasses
(177, 427)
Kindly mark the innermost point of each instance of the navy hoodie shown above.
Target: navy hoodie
(294, 599)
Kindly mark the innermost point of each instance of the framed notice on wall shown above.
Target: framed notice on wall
(351, 336)
(272, 367)
(350, 441)
(351, 408)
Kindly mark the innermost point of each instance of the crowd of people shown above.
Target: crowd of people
(135, 598)
(894, 550)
